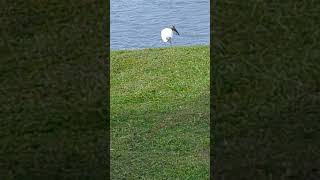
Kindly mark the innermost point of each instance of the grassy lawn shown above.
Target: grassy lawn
(267, 89)
(53, 85)
(160, 113)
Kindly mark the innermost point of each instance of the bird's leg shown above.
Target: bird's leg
(170, 42)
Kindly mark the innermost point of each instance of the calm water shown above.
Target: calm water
(137, 24)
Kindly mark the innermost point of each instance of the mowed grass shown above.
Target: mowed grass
(160, 113)
(53, 100)
(267, 89)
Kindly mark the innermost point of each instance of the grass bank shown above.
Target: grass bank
(160, 113)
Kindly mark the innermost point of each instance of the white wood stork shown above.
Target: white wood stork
(167, 34)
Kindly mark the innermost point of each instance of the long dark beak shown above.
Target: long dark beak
(174, 29)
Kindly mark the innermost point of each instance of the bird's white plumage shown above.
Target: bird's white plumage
(166, 34)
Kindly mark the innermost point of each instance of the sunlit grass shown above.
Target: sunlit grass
(160, 113)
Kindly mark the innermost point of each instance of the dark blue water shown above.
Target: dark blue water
(137, 24)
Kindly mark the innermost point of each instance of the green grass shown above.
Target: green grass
(267, 89)
(160, 113)
(53, 85)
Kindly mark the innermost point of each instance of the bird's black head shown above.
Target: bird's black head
(174, 29)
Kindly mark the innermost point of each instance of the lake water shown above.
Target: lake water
(137, 24)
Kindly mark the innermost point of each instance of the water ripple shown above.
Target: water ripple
(137, 24)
